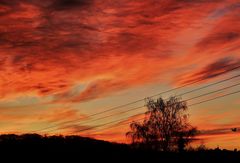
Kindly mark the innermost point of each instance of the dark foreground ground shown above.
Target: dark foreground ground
(35, 148)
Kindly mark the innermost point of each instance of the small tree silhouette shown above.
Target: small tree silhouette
(165, 126)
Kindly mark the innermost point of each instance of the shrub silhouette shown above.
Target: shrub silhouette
(165, 126)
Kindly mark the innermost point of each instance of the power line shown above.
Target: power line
(139, 107)
(221, 96)
(120, 106)
(170, 90)
(194, 90)
(184, 101)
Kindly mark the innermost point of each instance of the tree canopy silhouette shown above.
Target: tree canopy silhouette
(165, 126)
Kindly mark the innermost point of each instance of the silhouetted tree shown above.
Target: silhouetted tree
(185, 137)
(165, 126)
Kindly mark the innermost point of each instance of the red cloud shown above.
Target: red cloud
(214, 69)
(225, 35)
(48, 47)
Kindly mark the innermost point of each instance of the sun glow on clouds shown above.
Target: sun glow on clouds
(73, 54)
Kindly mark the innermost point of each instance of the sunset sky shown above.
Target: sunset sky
(63, 60)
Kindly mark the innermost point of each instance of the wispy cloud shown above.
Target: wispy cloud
(211, 70)
(55, 44)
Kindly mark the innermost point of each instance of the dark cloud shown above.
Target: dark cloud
(133, 43)
(225, 35)
(38, 27)
(217, 131)
(218, 39)
(70, 4)
(214, 69)
(218, 67)
(8, 3)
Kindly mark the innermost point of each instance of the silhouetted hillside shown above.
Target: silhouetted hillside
(79, 149)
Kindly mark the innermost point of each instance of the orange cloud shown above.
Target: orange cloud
(56, 44)
(21, 122)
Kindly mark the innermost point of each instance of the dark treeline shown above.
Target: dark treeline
(34, 147)
(163, 136)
